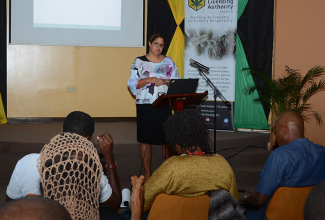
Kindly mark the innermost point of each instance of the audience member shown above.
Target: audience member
(297, 162)
(33, 208)
(26, 178)
(195, 171)
(315, 203)
(71, 173)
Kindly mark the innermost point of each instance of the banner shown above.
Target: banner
(3, 118)
(210, 39)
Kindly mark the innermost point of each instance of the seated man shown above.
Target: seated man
(26, 178)
(195, 171)
(297, 162)
(36, 208)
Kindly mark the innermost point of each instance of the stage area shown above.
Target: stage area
(246, 151)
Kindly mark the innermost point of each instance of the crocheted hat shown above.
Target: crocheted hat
(71, 174)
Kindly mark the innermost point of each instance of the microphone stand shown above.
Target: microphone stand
(216, 93)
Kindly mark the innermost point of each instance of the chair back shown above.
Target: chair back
(179, 207)
(288, 203)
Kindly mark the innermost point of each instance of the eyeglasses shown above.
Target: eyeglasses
(158, 45)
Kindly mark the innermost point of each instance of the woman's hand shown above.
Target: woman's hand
(160, 82)
(137, 197)
(154, 80)
(144, 81)
(157, 81)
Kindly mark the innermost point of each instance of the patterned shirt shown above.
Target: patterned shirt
(142, 68)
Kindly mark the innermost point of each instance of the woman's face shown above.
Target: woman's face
(157, 46)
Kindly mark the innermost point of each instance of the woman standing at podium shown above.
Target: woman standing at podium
(149, 78)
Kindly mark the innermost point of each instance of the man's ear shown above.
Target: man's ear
(285, 134)
(284, 130)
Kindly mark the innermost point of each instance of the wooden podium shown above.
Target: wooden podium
(179, 101)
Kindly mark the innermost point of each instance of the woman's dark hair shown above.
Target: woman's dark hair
(155, 36)
(187, 129)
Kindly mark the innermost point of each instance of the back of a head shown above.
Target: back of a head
(36, 208)
(80, 123)
(294, 117)
(187, 129)
(294, 122)
(70, 172)
(315, 203)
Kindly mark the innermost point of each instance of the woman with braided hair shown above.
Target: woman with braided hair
(195, 172)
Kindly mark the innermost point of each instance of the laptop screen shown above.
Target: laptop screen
(182, 86)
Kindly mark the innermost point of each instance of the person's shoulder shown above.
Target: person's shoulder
(197, 159)
(142, 58)
(300, 144)
(176, 161)
(30, 157)
(281, 150)
(28, 163)
(168, 59)
(282, 153)
(218, 157)
(221, 161)
(316, 148)
(173, 159)
(137, 60)
(314, 144)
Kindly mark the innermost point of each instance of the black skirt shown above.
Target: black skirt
(150, 121)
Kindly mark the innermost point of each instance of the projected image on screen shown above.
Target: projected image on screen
(98, 23)
(83, 14)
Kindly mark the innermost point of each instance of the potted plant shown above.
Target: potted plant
(292, 91)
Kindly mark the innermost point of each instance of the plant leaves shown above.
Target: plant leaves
(291, 91)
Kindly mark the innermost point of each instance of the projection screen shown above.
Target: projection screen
(105, 23)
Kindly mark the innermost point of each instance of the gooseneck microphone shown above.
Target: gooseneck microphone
(199, 66)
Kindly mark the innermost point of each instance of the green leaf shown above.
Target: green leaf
(291, 91)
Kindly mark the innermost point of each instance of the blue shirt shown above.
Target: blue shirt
(299, 163)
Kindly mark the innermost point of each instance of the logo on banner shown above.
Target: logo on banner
(207, 119)
(226, 120)
(196, 4)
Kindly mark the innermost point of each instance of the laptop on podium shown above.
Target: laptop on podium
(182, 86)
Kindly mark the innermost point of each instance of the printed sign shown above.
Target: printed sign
(210, 40)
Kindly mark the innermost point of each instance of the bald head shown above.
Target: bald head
(36, 208)
(288, 127)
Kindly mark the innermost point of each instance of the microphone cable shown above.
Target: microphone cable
(240, 150)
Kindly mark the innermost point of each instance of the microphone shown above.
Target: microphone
(199, 66)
